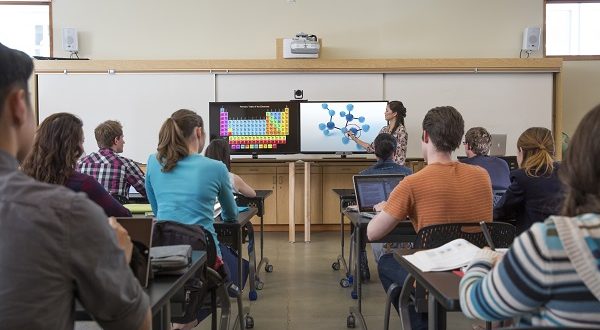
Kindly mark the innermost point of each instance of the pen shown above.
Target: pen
(487, 235)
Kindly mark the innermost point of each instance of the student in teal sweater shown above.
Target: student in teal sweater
(183, 185)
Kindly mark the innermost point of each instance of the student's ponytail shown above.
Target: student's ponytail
(537, 146)
(173, 137)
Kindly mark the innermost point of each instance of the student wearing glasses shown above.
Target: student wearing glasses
(477, 147)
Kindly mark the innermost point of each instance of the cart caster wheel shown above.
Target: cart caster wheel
(344, 283)
(354, 295)
(269, 268)
(351, 279)
(252, 295)
(335, 265)
(350, 321)
(259, 285)
(249, 322)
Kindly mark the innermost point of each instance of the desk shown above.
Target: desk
(259, 203)
(404, 232)
(442, 288)
(232, 234)
(347, 197)
(160, 291)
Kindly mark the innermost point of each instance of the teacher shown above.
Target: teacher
(394, 114)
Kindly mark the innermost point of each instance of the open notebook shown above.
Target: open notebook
(452, 255)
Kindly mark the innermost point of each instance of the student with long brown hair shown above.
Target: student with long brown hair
(57, 146)
(218, 149)
(535, 191)
(550, 275)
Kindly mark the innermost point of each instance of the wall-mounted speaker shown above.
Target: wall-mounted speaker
(531, 38)
(69, 40)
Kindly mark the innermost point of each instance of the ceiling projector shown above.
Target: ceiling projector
(305, 44)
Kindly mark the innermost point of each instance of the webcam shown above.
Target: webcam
(298, 94)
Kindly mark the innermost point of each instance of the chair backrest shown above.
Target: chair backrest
(175, 233)
(435, 236)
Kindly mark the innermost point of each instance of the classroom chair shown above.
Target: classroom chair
(432, 237)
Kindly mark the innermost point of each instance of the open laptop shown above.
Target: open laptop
(498, 147)
(372, 189)
(140, 231)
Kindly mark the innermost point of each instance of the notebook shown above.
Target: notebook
(140, 231)
(372, 189)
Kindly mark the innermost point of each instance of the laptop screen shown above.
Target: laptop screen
(372, 189)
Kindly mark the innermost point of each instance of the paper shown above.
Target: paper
(453, 255)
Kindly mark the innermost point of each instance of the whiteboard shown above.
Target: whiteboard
(503, 103)
(141, 102)
(316, 86)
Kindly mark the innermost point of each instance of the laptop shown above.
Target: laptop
(140, 231)
(373, 189)
(498, 147)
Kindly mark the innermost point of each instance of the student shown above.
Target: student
(385, 149)
(55, 245)
(550, 275)
(116, 173)
(218, 149)
(183, 185)
(57, 146)
(535, 190)
(477, 146)
(394, 114)
(443, 192)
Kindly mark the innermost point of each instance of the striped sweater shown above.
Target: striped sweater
(535, 281)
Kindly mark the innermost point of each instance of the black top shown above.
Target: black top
(530, 199)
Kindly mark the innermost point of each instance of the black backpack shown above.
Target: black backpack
(196, 289)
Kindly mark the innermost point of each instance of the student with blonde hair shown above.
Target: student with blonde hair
(535, 191)
(550, 275)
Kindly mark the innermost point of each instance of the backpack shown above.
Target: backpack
(196, 289)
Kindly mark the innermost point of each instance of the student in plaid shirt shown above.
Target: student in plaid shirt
(116, 173)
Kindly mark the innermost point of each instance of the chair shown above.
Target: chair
(210, 285)
(497, 195)
(435, 236)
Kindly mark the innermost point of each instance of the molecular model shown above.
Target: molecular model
(348, 126)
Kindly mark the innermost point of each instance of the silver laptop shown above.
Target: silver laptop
(498, 147)
(373, 189)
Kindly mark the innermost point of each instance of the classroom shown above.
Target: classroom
(293, 164)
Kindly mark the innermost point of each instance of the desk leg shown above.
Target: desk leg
(162, 319)
(292, 202)
(264, 262)
(307, 202)
(437, 314)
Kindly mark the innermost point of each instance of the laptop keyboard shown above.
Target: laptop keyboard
(369, 215)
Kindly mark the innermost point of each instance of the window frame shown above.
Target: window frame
(567, 57)
(39, 3)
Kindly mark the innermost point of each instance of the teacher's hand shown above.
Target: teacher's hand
(350, 135)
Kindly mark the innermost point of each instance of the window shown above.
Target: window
(25, 25)
(573, 28)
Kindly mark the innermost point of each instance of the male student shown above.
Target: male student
(55, 245)
(477, 146)
(116, 173)
(444, 191)
(385, 151)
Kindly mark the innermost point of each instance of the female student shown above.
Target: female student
(57, 146)
(218, 149)
(535, 190)
(394, 114)
(550, 275)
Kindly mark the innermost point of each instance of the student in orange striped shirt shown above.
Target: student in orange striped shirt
(445, 191)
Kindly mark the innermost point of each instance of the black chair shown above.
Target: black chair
(435, 236)
(497, 195)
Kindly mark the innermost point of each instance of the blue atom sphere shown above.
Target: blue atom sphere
(349, 107)
(331, 125)
(366, 128)
(361, 119)
(353, 130)
(344, 130)
(342, 113)
(324, 106)
(349, 117)
(345, 140)
(331, 112)
(326, 132)
(322, 126)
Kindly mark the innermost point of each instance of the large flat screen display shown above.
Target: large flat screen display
(324, 125)
(256, 127)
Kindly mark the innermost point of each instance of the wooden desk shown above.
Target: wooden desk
(442, 288)
(160, 291)
(404, 232)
